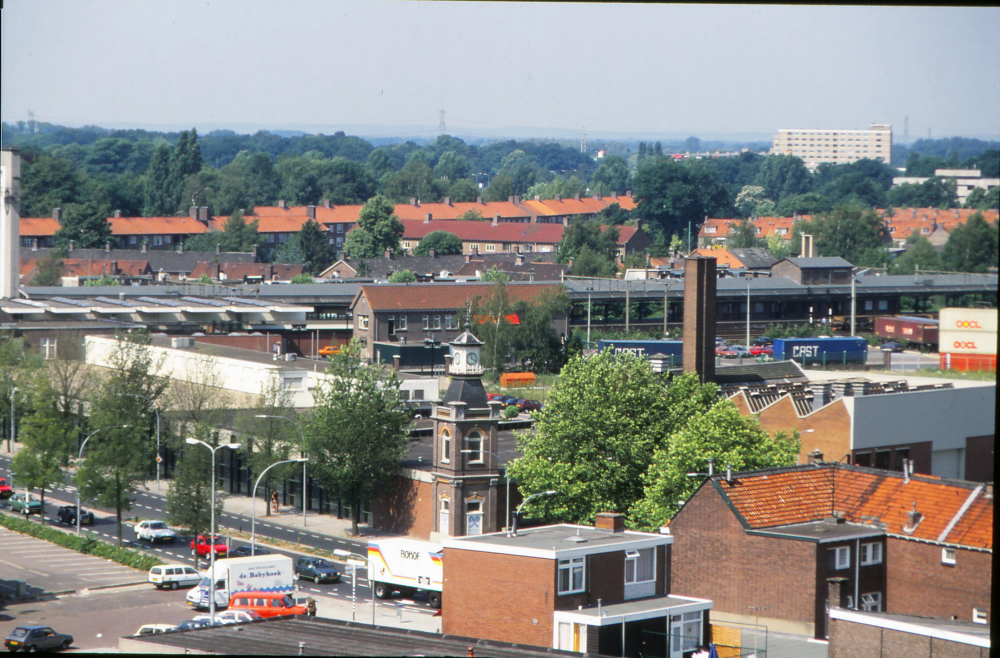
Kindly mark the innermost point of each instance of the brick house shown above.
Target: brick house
(411, 312)
(577, 588)
(855, 634)
(830, 270)
(770, 539)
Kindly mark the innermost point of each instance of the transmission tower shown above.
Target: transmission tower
(583, 141)
(31, 121)
(441, 122)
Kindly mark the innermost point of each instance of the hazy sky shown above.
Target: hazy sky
(644, 68)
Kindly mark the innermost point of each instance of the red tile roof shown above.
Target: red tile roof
(438, 296)
(156, 226)
(37, 227)
(84, 267)
(801, 494)
(723, 257)
(238, 271)
(513, 232)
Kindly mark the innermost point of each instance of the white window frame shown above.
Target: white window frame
(363, 322)
(474, 512)
(871, 602)
(842, 557)
(401, 326)
(948, 556)
(491, 247)
(132, 239)
(340, 228)
(444, 515)
(49, 348)
(871, 554)
(157, 241)
(576, 575)
(166, 239)
(979, 616)
(426, 322)
(340, 242)
(449, 322)
(270, 238)
(632, 566)
(445, 445)
(475, 457)
(437, 323)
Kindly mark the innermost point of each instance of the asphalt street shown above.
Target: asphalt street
(153, 506)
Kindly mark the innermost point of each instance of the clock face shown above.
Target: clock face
(472, 358)
(457, 357)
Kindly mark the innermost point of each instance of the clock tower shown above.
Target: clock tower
(466, 468)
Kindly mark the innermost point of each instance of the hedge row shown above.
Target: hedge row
(83, 544)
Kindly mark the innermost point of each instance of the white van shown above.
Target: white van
(154, 629)
(172, 577)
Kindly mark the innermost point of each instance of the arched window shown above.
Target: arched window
(443, 516)
(445, 446)
(474, 444)
(474, 516)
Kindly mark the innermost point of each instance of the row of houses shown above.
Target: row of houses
(933, 223)
(498, 231)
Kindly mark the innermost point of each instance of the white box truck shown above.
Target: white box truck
(262, 573)
(405, 566)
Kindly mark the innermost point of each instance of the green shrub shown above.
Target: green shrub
(87, 545)
(511, 412)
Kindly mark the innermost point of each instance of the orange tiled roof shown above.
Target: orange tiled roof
(84, 267)
(801, 494)
(768, 226)
(156, 226)
(488, 209)
(513, 232)
(723, 257)
(37, 227)
(241, 270)
(438, 296)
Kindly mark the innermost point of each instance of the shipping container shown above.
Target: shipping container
(969, 331)
(821, 350)
(646, 348)
(910, 329)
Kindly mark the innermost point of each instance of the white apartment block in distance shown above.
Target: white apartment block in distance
(835, 146)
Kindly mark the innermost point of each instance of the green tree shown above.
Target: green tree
(158, 200)
(451, 166)
(536, 346)
(104, 280)
(47, 182)
(783, 176)
(601, 241)
(597, 434)
(851, 231)
(442, 242)
(356, 436)
(270, 440)
(721, 434)
(48, 439)
(611, 176)
(495, 274)
(85, 224)
(119, 459)
(745, 236)
(501, 188)
(489, 314)
(971, 247)
(189, 499)
(238, 235)
(378, 230)
(933, 193)
(919, 253)
(613, 215)
(49, 269)
(464, 191)
(778, 247)
(315, 245)
(289, 252)
(472, 215)
(749, 198)
(402, 276)
(810, 203)
(302, 278)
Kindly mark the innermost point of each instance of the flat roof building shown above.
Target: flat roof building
(835, 146)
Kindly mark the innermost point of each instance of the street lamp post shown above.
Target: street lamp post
(302, 449)
(13, 389)
(371, 581)
(80, 458)
(506, 518)
(523, 503)
(253, 507)
(136, 395)
(211, 548)
(431, 343)
(590, 289)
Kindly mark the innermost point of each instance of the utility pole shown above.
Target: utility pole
(854, 303)
(627, 289)
(441, 122)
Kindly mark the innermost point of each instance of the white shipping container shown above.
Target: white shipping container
(967, 342)
(969, 319)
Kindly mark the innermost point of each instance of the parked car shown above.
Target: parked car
(244, 551)
(329, 350)
(200, 545)
(529, 405)
(154, 629)
(734, 351)
(720, 349)
(67, 514)
(25, 503)
(892, 346)
(194, 623)
(266, 604)
(173, 577)
(317, 569)
(155, 531)
(763, 340)
(33, 638)
(758, 350)
(5, 489)
(230, 617)
(495, 396)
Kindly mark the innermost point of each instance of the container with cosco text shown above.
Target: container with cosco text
(821, 351)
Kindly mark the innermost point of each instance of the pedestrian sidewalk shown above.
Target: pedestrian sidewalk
(287, 516)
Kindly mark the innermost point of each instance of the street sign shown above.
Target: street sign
(159, 459)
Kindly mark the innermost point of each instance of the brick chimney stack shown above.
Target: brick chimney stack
(311, 212)
(610, 521)
(281, 204)
(699, 317)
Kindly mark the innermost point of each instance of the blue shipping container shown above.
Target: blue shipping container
(645, 348)
(821, 350)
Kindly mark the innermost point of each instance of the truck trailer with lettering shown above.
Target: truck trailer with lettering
(822, 351)
(261, 573)
(406, 566)
(646, 348)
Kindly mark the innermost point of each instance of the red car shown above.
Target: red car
(758, 350)
(200, 546)
(5, 490)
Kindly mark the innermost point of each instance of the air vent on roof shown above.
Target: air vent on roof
(576, 539)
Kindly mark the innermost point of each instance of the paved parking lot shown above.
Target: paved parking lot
(47, 567)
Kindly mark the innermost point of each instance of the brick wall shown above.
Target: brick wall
(979, 458)
(871, 578)
(498, 597)
(918, 584)
(832, 425)
(852, 640)
(714, 558)
(407, 508)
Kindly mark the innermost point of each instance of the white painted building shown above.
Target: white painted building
(835, 146)
(966, 180)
